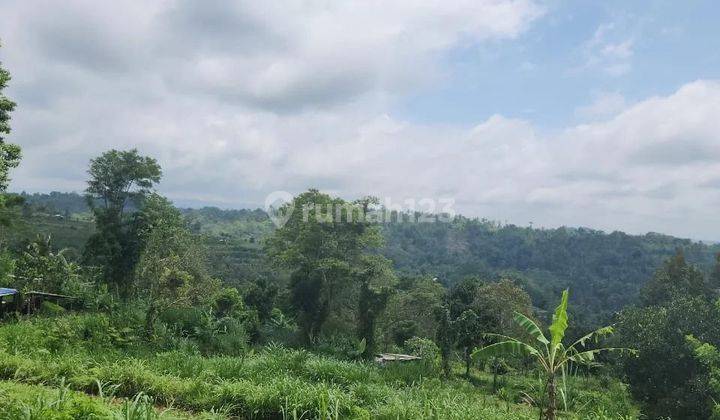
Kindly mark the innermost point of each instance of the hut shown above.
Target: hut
(11, 300)
(8, 300)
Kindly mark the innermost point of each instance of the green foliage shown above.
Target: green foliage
(666, 377)
(227, 302)
(675, 279)
(172, 272)
(7, 266)
(328, 247)
(9, 153)
(425, 349)
(41, 269)
(51, 309)
(477, 307)
(552, 355)
(411, 310)
(714, 280)
(709, 356)
(605, 270)
(265, 384)
(117, 178)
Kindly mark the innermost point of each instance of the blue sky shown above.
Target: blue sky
(604, 114)
(555, 67)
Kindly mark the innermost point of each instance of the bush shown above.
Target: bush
(51, 309)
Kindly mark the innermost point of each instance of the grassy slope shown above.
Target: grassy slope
(82, 353)
(66, 233)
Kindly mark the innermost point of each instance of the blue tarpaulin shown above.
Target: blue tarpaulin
(7, 292)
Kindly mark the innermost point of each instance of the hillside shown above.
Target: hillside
(604, 270)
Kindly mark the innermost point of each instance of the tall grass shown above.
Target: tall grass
(275, 382)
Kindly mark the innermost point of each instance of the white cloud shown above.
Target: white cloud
(238, 102)
(604, 105)
(608, 52)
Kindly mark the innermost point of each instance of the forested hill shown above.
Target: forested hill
(604, 271)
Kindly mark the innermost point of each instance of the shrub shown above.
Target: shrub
(51, 309)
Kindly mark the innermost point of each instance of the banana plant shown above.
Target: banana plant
(551, 354)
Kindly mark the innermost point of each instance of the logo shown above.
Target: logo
(279, 208)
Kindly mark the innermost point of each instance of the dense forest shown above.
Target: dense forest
(605, 271)
(116, 304)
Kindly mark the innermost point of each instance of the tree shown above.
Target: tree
(172, 272)
(7, 268)
(551, 354)
(116, 179)
(676, 278)
(665, 377)
(468, 330)
(444, 337)
(476, 307)
(260, 296)
(496, 304)
(375, 277)
(312, 249)
(709, 356)
(324, 243)
(9, 153)
(714, 281)
(411, 310)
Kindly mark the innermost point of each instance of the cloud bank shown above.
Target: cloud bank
(241, 100)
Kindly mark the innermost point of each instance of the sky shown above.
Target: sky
(556, 113)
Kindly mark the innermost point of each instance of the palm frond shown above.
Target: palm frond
(531, 327)
(559, 321)
(588, 357)
(505, 348)
(600, 332)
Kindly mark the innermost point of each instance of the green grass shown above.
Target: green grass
(75, 352)
(38, 402)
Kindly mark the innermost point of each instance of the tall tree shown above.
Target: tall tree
(329, 245)
(312, 245)
(373, 273)
(465, 324)
(375, 277)
(496, 304)
(714, 282)
(675, 279)
(468, 331)
(444, 337)
(9, 153)
(665, 377)
(117, 178)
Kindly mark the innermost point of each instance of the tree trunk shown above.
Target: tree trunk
(150, 320)
(467, 362)
(552, 405)
(366, 321)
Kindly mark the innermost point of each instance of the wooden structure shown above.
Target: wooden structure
(8, 300)
(384, 358)
(11, 300)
